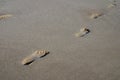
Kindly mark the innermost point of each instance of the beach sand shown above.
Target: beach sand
(51, 25)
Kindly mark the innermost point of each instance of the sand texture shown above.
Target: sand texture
(51, 25)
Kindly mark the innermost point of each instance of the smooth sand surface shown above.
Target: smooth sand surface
(51, 25)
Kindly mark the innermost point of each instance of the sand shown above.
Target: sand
(51, 25)
(34, 56)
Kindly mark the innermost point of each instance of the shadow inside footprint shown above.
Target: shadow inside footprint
(45, 55)
(87, 31)
(84, 34)
(29, 62)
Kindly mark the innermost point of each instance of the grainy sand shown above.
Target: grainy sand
(50, 25)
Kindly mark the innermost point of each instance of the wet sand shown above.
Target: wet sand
(51, 25)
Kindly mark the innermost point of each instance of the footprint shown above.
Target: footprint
(83, 32)
(112, 5)
(3, 16)
(95, 15)
(31, 58)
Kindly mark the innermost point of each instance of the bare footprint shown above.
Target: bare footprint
(83, 32)
(95, 15)
(112, 5)
(3, 16)
(37, 54)
(92, 13)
